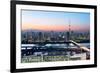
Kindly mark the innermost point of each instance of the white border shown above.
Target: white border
(20, 65)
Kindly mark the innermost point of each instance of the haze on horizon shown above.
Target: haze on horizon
(55, 21)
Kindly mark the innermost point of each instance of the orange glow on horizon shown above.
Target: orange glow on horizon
(44, 28)
(53, 27)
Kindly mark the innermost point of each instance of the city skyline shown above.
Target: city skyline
(55, 21)
(54, 36)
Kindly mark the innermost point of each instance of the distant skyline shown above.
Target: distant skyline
(55, 21)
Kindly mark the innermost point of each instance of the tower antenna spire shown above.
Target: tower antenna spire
(69, 29)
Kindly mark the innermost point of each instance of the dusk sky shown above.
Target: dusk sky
(55, 21)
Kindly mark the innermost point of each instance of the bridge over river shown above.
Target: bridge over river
(52, 50)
